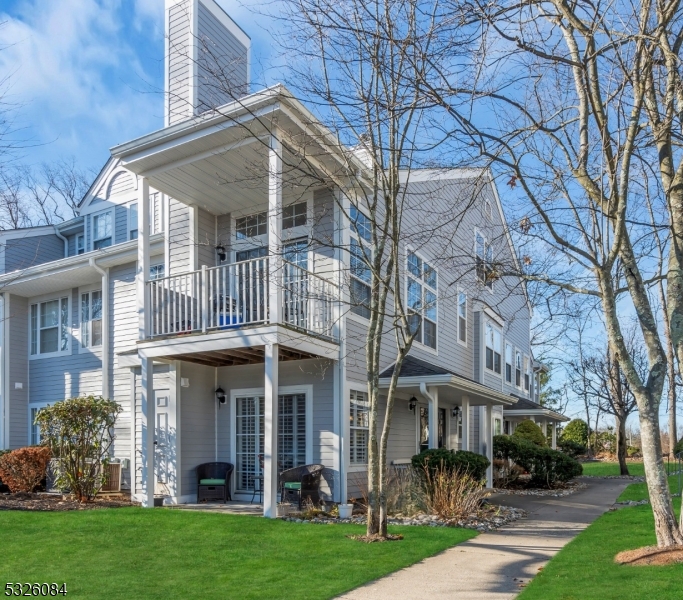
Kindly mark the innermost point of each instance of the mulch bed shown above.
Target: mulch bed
(562, 489)
(651, 555)
(57, 502)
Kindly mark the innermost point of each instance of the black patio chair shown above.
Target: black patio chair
(213, 481)
(301, 483)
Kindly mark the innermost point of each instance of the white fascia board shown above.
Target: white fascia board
(544, 412)
(101, 177)
(422, 175)
(17, 234)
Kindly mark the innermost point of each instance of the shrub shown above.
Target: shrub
(571, 448)
(546, 467)
(576, 431)
(464, 462)
(678, 448)
(79, 431)
(632, 451)
(23, 469)
(529, 431)
(450, 493)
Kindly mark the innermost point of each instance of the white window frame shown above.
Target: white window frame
(496, 330)
(354, 464)
(488, 209)
(88, 347)
(461, 294)
(80, 243)
(154, 271)
(31, 407)
(292, 206)
(511, 381)
(488, 256)
(518, 355)
(526, 374)
(364, 244)
(41, 300)
(99, 214)
(132, 221)
(497, 424)
(425, 286)
(256, 214)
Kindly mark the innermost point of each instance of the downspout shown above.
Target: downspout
(105, 325)
(66, 242)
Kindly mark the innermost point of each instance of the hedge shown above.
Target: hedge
(571, 448)
(528, 430)
(547, 467)
(473, 464)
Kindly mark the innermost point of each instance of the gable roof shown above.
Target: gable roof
(526, 406)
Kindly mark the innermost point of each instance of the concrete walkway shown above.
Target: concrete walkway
(494, 566)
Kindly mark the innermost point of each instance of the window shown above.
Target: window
(360, 224)
(360, 255)
(102, 230)
(156, 272)
(244, 255)
(296, 253)
(360, 410)
(508, 363)
(483, 260)
(527, 375)
(133, 222)
(493, 347)
(488, 212)
(50, 327)
(91, 319)
(294, 215)
(80, 244)
(251, 226)
(462, 318)
(518, 369)
(422, 306)
(35, 428)
(497, 427)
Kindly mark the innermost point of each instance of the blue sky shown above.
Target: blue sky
(85, 75)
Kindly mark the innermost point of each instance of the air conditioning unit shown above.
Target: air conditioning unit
(112, 480)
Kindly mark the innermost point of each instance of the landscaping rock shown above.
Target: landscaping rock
(56, 502)
(566, 490)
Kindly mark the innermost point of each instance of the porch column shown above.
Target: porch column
(554, 435)
(270, 419)
(488, 429)
(143, 258)
(274, 228)
(465, 441)
(433, 417)
(148, 418)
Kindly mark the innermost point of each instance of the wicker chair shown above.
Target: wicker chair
(301, 483)
(213, 481)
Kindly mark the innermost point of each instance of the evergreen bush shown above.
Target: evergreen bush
(465, 462)
(529, 431)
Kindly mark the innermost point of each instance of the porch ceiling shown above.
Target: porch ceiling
(243, 356)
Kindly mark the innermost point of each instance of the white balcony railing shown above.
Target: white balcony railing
(237, 295)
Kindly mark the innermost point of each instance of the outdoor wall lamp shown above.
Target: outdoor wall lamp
(221, 396)
(221, 252)
(412, 404)
(455, 412)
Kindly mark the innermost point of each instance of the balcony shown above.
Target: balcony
(238, 296)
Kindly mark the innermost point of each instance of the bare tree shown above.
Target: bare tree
(566, 99)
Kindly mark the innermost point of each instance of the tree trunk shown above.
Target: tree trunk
(621, 443)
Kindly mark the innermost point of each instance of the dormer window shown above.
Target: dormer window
(102, 230)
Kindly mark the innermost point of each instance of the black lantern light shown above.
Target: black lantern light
(412, 404)
(455, 412)
(221, 252)
(221, 396)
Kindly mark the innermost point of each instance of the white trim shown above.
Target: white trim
(59, 296)
(457, 316)
(424, 284)
(129, 219)
(109, 209)
(222, 15)
(89, 289)
(495, 329)
(358, 388)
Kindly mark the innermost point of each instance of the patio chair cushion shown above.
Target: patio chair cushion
(212, 482)
(292, 485)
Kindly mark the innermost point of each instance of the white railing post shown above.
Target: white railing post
(205, 299)
(275, 278)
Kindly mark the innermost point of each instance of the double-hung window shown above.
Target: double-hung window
(360, 256)
(102, 230)
(133, 221)
(359, 429)
(518, 369)
(493, 347)
(422, 303)
(80, 244)
(50, 327)
(462, 318)
(251, 226)
(91, 319)
(483, 257)
(508, 363)
(527, 374)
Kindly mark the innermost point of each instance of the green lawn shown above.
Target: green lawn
(603, 469)
(137, 553)
(585, 568)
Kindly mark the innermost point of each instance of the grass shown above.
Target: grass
(604, 469)
(585, 568)
(138, 553)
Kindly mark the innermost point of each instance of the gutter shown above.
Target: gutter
(105, 325)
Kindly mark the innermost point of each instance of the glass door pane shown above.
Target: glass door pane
(249, 441)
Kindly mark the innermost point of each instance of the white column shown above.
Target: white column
(488, 429)
(433, 417)
(148, 418)
(270, 468)
(143, 258)
(554, 435)
(465, 441)
(274, 227)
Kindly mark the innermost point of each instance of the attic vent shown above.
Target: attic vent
(121, 182)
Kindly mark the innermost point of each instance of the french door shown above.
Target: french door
(249, 436)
